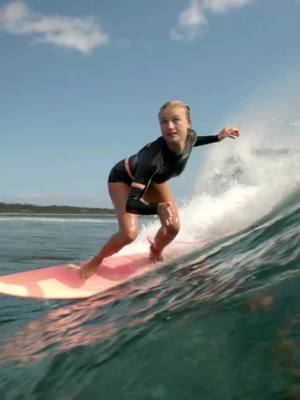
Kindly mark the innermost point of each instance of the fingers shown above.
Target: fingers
(234, 133)
(230, 131)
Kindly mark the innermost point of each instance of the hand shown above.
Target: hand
(229, 131)
(165, 213)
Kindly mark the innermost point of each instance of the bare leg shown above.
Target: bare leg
(159, 193)
(127, 229)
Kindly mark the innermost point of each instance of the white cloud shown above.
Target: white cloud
(219, 6)
(82, 34)
(193, 18)
(190, 22)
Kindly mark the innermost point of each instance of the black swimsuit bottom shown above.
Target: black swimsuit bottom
(118, 173)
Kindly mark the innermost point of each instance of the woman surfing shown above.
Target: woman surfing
(139, 185)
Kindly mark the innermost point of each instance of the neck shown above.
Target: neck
(176, 148)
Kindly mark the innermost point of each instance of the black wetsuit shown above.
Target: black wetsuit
(154, 163)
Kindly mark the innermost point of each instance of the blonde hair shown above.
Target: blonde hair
(176, 103)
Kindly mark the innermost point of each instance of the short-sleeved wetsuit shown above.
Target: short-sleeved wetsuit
(154, 163)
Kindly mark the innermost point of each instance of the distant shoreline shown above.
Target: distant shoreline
(32, 209)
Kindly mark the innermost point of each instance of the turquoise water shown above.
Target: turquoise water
(220, 323)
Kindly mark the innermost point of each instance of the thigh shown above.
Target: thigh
(119, 193)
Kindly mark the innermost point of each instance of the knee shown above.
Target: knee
(129, 235)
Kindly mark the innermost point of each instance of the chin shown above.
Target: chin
(172, 139)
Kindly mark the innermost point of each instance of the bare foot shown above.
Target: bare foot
(155, 254)
(88, 269)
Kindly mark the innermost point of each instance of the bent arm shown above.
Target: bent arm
(144, 173)
(135, 203)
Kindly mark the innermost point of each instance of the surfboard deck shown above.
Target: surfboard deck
(62, 282)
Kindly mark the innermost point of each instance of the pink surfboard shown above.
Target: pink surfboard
(64, 281)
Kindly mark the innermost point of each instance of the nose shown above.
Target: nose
(170, 124)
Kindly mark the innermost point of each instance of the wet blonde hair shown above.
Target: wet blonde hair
(176, 103)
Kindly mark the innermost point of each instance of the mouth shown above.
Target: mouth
(171, 134)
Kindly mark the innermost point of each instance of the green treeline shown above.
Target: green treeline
(52, 209)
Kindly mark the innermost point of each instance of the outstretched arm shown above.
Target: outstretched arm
(231, 132)
(202, 140)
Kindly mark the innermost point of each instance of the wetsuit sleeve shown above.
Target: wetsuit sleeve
(145, 170)
(202, 140)
(136, 205)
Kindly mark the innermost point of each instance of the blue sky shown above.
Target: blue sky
(81, 83)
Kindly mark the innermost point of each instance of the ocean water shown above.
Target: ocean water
(221, 322)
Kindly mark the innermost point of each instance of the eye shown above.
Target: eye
(176, 119)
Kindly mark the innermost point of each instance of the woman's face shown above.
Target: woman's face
(174, 124)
